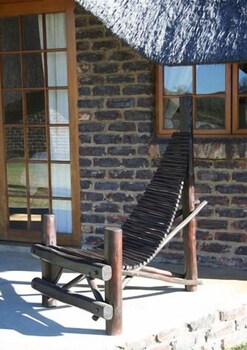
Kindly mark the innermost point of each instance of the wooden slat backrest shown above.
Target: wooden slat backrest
(152, 218)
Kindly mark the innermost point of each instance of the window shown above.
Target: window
(38, 109)
(218, 93)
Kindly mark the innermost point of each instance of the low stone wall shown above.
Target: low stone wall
(216, 331)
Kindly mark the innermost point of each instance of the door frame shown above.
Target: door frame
(26, 7)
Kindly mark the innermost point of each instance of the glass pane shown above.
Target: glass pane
(37, 144)
(32, 32)
(210, 79)
(55, 31)
(14, 143)
(11, 71)
(12, 107)
(57, 69)
(242, 113)
(34, 70)
(38, 207)
(58, 107)
(9, 38)
(60, 180)
(210, 113)
(178, 80)
(59, 143)
(16, 178)
(242, 78)
(38, 179)
(35, 104)
(172, 113)
(63, 212)
(18, 213)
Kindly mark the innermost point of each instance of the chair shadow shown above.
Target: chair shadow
(21, 316)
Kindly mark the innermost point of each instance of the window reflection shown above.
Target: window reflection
(14, 143)
(38, 207)
(210, 113)
(58, 107)
(59, 143)
(37, 147)
(61, 180)
(242, 78)
(178, 80)
(18, 217)
(38, 179)
(16, 177)
(210, 79)
(63, 212)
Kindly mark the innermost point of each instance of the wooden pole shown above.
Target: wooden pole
(188, 201)
(113, 287)
(50, 272)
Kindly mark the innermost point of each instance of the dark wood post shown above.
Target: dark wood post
(49, 271)
(113, 287)
(188, 202)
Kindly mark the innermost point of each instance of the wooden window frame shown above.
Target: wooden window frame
(10, 8)
(231, 105)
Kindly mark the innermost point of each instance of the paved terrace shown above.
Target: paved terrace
(156, 315)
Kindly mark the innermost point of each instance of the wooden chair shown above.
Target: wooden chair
(129, 250)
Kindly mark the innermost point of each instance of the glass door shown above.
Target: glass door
(35, 116)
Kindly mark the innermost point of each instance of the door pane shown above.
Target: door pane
(38, 207)
(37, 145)
(9, 38)
(55, 31)
(32, 32)
(210, 113)
(14, 143)
(12, 107)
(34, 70)
(59, 143)
(63, 212)
(61, 180)
(18, 217)
(38, 179)
(35, 105)
(210, 79)
(58, 107)
(16, 179)
(11, 71)
(57, 69)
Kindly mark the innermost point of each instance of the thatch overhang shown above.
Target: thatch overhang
(178, 32)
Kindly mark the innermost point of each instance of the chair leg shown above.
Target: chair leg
(113, 287)
(50, 273)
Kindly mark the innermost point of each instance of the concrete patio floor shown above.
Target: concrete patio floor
(152, 310)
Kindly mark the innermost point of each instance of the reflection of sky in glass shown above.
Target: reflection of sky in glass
(210, 79)
(242, 77)
(178, 79)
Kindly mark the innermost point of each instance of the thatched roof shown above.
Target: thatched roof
(178, 31)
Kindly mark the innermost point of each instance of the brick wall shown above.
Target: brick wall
(119, 151)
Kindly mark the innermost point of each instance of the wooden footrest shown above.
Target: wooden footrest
(98, 308)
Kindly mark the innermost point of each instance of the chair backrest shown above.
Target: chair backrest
(151, 220)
